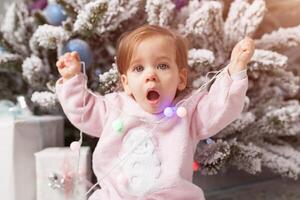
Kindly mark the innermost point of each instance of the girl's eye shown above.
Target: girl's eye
(162, 66)
(138, 68)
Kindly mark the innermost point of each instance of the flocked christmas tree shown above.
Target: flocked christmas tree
(35, 33)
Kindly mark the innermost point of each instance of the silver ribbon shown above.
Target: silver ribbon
(57, 182)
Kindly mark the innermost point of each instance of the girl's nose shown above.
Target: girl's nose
(151, 77)
(150, 74)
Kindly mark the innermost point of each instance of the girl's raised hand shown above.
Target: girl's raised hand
(241, 55)
(68, 65)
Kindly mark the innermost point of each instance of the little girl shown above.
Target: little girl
(147, 140)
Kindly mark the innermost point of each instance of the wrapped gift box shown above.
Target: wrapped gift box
(62, 174)
(20, 139)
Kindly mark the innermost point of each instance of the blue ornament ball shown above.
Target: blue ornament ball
(98, 71)
(55, 14)
(83, 48)
(209, 141)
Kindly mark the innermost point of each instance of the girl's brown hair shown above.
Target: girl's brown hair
(130, 40)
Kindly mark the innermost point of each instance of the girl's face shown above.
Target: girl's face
(153, 76)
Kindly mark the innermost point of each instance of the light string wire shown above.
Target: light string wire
(203, 86)
(81, 134)
(124, 158)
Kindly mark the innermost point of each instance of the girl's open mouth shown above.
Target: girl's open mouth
(153, 96)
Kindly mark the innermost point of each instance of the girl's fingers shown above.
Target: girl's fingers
(75, 55)
(68, 54)
(67, 57)
(247, 46)
(60, 64)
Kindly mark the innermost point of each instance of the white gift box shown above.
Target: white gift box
(71, 173)
(20, 139)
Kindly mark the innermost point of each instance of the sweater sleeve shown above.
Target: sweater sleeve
(221, 105)
(89, 118)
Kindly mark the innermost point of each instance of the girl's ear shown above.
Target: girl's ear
(182, 79)
(124, 81)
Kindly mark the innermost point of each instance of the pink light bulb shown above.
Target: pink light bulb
(181, 112)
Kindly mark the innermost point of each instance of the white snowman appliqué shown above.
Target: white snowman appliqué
(141, 166)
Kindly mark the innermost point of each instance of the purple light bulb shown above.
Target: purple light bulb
(180, 3)
(38, 5)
